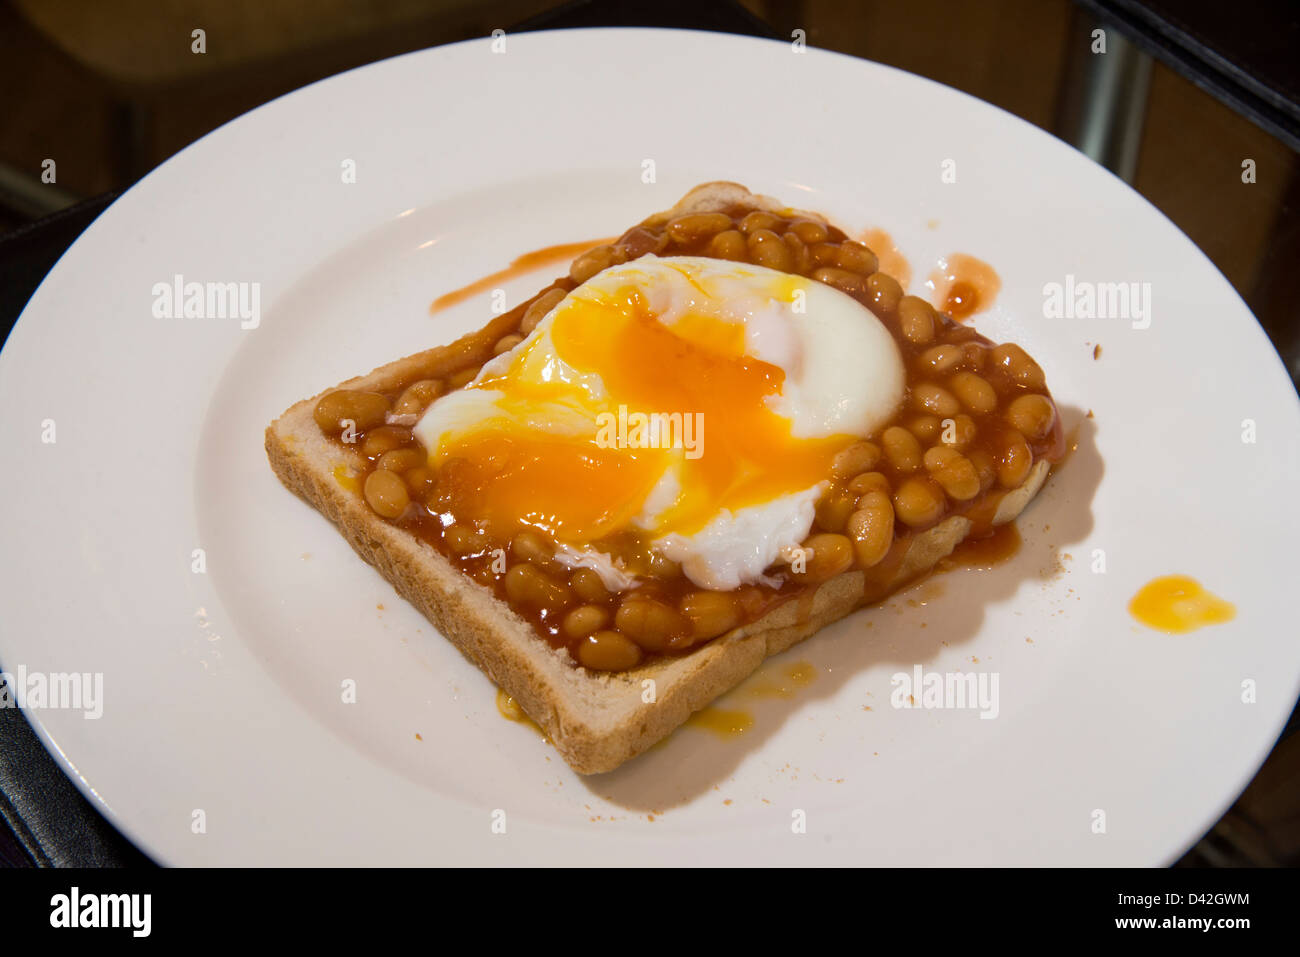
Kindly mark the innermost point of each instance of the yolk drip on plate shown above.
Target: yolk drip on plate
(1176, 603)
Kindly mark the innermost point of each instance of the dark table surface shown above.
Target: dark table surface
(1246, 54)
(1248, 62)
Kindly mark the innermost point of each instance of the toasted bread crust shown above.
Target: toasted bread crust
(597, 721)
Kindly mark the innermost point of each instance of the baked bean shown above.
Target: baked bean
(650, 623)
(386, 493)
(729, 244)
(528, 585)
(363, 409)
(958, 432)
(538, 309)
(825, 556)
(985, 467)
(973, 355)
(751, 600)
(916, 320)
(1032, 415)
(638, 241)
(608, 651)
(766, 248)
(506, 343)
(661, 566)
(942, 358)
(924, 427)
(953, 471)
(385, 439)
(417, 396)
(483, 574)
(711, 613)
(588, 585)
(453, 474)
(856, 458)
(400, 460)
(800, 258)
(856, 257)
(871, 527)
(531, 546)
(756, 220)
(809, 231)
(868, 482)
(1015, 462)
(974, 392)
(420, 480)
(883, 293)
(901, 449)
(833, 509)
(591, 262)
(1017, 364)
(693, 227)
(918, 502)
(928, 397)
(462, 378)
(463, 539)
(841, 279)
(584, 620)
(823, 254)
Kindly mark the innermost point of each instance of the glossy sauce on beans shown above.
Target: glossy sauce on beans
(954, 447)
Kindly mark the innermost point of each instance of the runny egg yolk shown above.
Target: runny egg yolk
(513, 468)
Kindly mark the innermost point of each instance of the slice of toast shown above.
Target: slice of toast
(596, 720)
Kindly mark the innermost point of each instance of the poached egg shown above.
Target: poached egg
(689, 406)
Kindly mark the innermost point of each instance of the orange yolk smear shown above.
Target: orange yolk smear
(574, 489)
(1176, 603)
(580, 491)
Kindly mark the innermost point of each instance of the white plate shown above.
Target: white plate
(222, 690)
